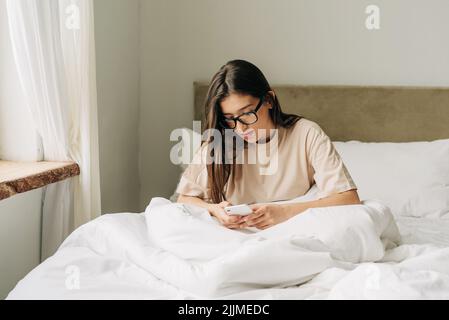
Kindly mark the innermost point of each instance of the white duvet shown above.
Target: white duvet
(174, 251)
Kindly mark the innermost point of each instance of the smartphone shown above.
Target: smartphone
(239, 210)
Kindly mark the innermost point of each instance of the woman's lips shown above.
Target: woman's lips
(247, 135)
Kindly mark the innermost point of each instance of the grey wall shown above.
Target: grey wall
(118, 85)
(292, 41)
(20, 238)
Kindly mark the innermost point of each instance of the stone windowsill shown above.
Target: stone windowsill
(19, 177)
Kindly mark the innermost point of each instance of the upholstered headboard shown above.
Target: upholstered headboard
(369, 114)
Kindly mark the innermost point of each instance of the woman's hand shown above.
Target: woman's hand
(265, 216)
(231, 222)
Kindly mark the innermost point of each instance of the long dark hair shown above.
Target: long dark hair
(239, 77)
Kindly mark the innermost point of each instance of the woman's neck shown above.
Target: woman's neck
(268, 137)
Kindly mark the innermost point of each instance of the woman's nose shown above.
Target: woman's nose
(240, 127)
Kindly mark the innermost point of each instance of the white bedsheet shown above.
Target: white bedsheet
(132, 256)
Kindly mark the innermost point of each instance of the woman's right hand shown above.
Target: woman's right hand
(231, 222)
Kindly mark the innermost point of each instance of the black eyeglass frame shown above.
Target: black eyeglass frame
(223, 121)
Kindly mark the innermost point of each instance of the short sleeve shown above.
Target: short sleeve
(330, 173)
(193, 181)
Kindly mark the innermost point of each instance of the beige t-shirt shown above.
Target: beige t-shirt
(305, 156)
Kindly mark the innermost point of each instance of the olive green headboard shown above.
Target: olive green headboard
(370, 114)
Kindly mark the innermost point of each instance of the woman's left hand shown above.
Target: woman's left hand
(265, 216)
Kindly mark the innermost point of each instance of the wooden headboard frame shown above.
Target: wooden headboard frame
(369, 114)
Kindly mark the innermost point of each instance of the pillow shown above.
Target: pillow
(412, 178)
(188, 136)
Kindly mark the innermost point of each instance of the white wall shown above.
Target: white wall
(20, 216)
(292, 41)
(118, 84)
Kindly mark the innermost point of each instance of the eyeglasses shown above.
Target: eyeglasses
(246, 118)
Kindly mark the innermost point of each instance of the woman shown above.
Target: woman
(240, 99)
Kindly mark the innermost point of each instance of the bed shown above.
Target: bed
(402, 129)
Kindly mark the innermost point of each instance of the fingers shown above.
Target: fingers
(238, 222)
(234, 226)
(255, 215)
(256, 221)
(257, 207)
(233, 219)
(223, 215)
(224, 204)
(230, 220)
(260, 218)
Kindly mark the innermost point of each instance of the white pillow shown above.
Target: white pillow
(412, 178)
(188, 136)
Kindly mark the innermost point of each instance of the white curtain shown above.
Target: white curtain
(54, 50)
